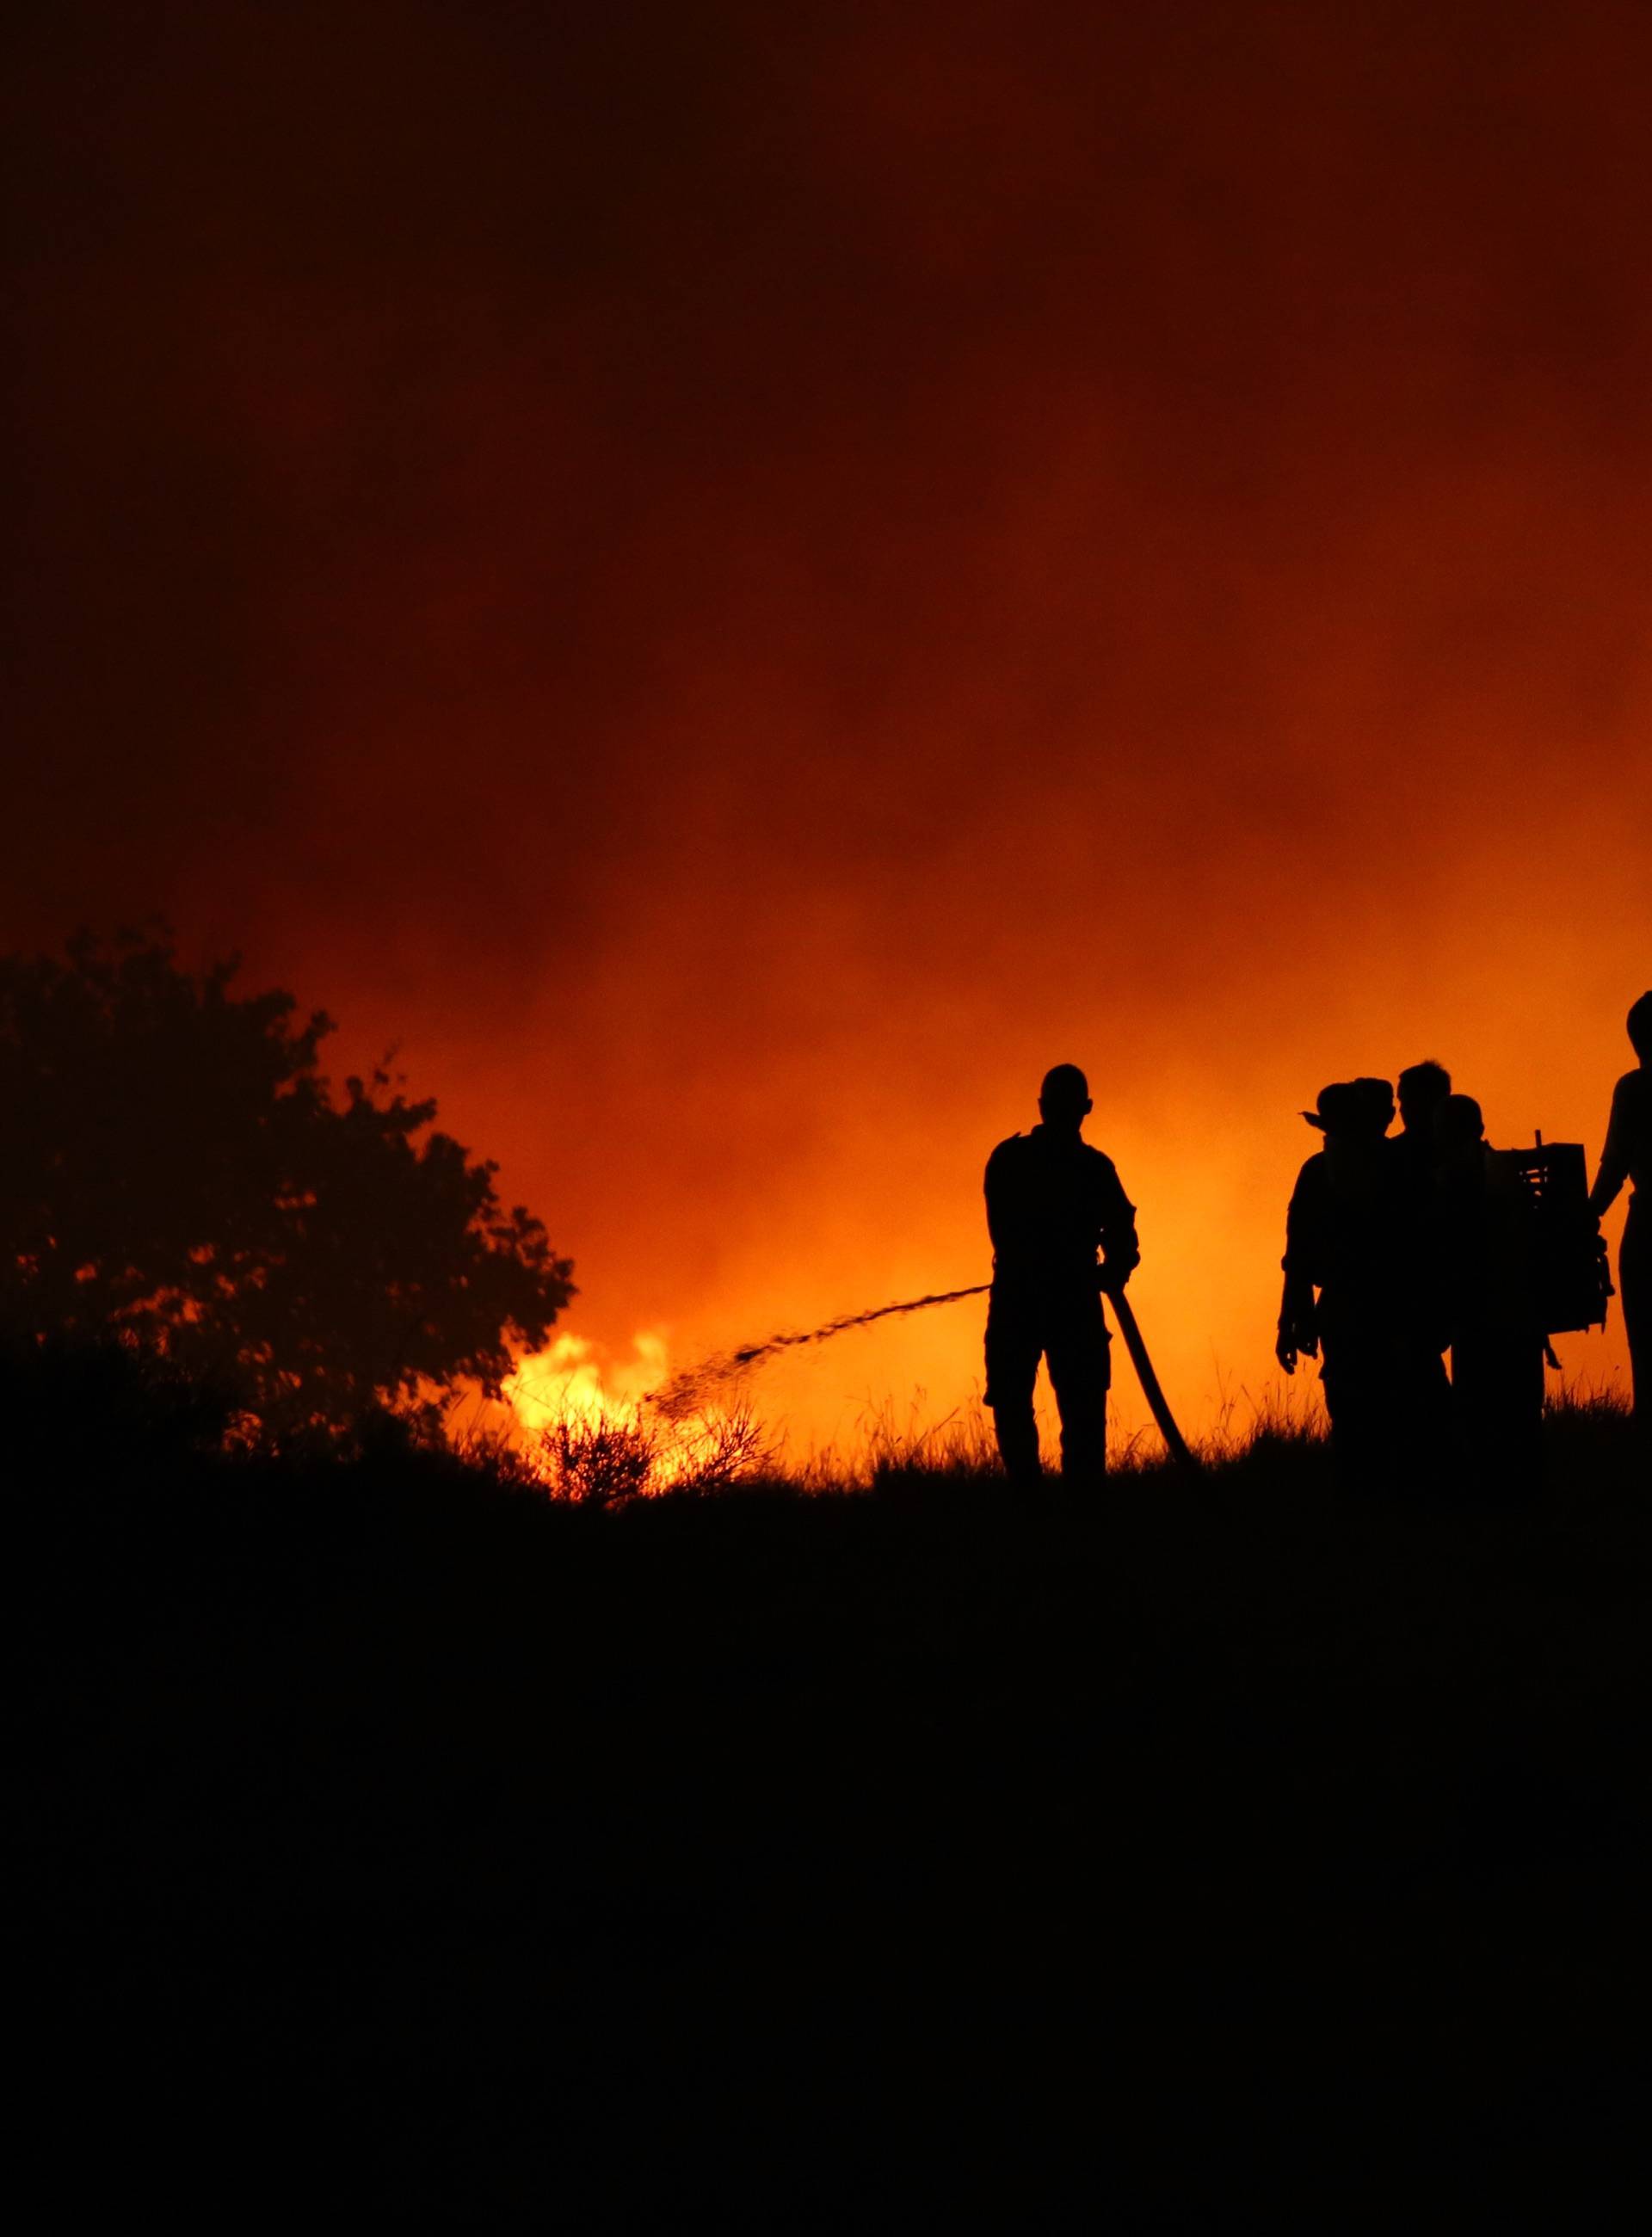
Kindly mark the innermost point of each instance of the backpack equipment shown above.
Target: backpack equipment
(1570, 1274)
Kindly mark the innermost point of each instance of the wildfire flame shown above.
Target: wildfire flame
(586, 1416)
(573, 1382)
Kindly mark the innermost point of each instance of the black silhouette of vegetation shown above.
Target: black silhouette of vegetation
(621, 1452)
(176, 1170)
(389, 1834)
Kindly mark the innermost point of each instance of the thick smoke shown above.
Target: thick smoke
(736, 596)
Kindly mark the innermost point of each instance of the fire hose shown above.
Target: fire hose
(683, 1391)
(1152, 1390)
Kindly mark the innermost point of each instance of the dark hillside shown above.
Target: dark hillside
(401, 1852)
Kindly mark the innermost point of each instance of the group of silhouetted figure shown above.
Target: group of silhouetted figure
(1427, 1271)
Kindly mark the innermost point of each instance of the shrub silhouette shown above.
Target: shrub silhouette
(176, 1170)
(632, 1452)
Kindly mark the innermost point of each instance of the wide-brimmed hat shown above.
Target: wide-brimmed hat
(1335, 1108)
(1353, 1106)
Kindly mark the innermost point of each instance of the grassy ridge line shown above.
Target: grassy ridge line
(394, 1834)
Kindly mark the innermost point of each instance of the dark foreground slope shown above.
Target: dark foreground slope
(400, 1855)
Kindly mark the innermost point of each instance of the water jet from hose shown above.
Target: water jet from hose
(687, 1391)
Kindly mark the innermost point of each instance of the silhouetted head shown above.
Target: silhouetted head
(1374, 1106)
(1335, 1112)
(1459, 1118)
(1064, 1099)
(1640, 1028)
(1353, 1111)
(1423, 1088)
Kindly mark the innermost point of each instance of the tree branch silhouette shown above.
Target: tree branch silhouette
(175, 1168)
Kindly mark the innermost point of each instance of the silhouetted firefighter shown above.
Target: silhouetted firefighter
(1628, 1157)
(1423, 1088)
(1345, 1236)
(1488, 1241)
(1052, 1203)
(1423, 1397)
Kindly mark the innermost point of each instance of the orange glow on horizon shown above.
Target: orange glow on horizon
(772, 1152)
(1208, 1140)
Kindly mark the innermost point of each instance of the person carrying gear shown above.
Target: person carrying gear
(1343, 1239)
(1423, 1394)
(1488, 1235)
(1423, 1088)
(1628, 1157)
(1052, 1203)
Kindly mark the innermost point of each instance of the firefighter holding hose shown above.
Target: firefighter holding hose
(1053, 1202)
(1628, 1157)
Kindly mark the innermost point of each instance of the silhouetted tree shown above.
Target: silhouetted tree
(174, 1167)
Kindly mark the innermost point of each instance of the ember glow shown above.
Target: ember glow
(569, 1382)
(736, 589)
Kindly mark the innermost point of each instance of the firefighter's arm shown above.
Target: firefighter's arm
(992, 1187)
(1298, 1332)
(1613, 1168)
(1120, 1248)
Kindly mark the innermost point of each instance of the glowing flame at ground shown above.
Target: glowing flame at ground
(574, 1380)
(584, 1420)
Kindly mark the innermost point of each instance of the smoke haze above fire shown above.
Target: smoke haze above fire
(738, 581)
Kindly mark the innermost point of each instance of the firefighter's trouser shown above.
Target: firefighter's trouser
(1635, 1284)
(1070, 1335)
(1358, 1374)
(1498, 1394)
(1362, 1373)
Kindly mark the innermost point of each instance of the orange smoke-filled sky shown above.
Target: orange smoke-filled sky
(738, 580)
